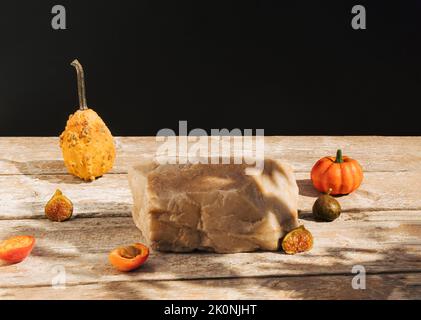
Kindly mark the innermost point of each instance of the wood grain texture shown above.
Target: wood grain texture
(110, 195)
(380, 241)
(383, 286)
(380, 229)
(42, 155)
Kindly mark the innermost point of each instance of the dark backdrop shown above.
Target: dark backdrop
(293, 67)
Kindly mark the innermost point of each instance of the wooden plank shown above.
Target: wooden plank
(380, 229)
(378, 191)
(110, 195)
(26, 196)
(382, 286)
(380, 241)
(42, 155)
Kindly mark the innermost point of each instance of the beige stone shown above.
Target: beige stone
(213, 207)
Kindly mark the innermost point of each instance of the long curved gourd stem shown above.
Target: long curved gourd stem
(80, 84)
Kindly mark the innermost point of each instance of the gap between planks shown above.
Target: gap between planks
(301, 214)
(217, 278)
(125, 172)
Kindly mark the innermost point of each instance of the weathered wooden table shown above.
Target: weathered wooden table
(380, 230)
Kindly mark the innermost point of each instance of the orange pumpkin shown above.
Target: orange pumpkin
(341, 174)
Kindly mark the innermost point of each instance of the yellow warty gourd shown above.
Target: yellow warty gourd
(87, 144)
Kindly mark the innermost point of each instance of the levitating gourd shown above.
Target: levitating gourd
(87, 144)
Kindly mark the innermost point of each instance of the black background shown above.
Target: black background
(264, 310)
(290, 68)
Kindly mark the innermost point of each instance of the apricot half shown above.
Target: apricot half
(130, 257)
(16, 249)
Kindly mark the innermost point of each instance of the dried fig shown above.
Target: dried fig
(59, 207)
(326, 208)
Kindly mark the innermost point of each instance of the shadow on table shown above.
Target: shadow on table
(53, 171)
(306, 189)
(322, 284)
(213, 276)
(207, 275)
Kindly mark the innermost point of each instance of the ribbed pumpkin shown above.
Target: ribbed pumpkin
(341, 174)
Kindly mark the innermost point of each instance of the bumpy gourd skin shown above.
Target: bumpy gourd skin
(87, 145)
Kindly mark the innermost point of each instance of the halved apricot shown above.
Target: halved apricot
(16, 249)
(130, 257)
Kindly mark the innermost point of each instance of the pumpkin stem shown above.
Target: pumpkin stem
(80, 84)
(339, 156)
